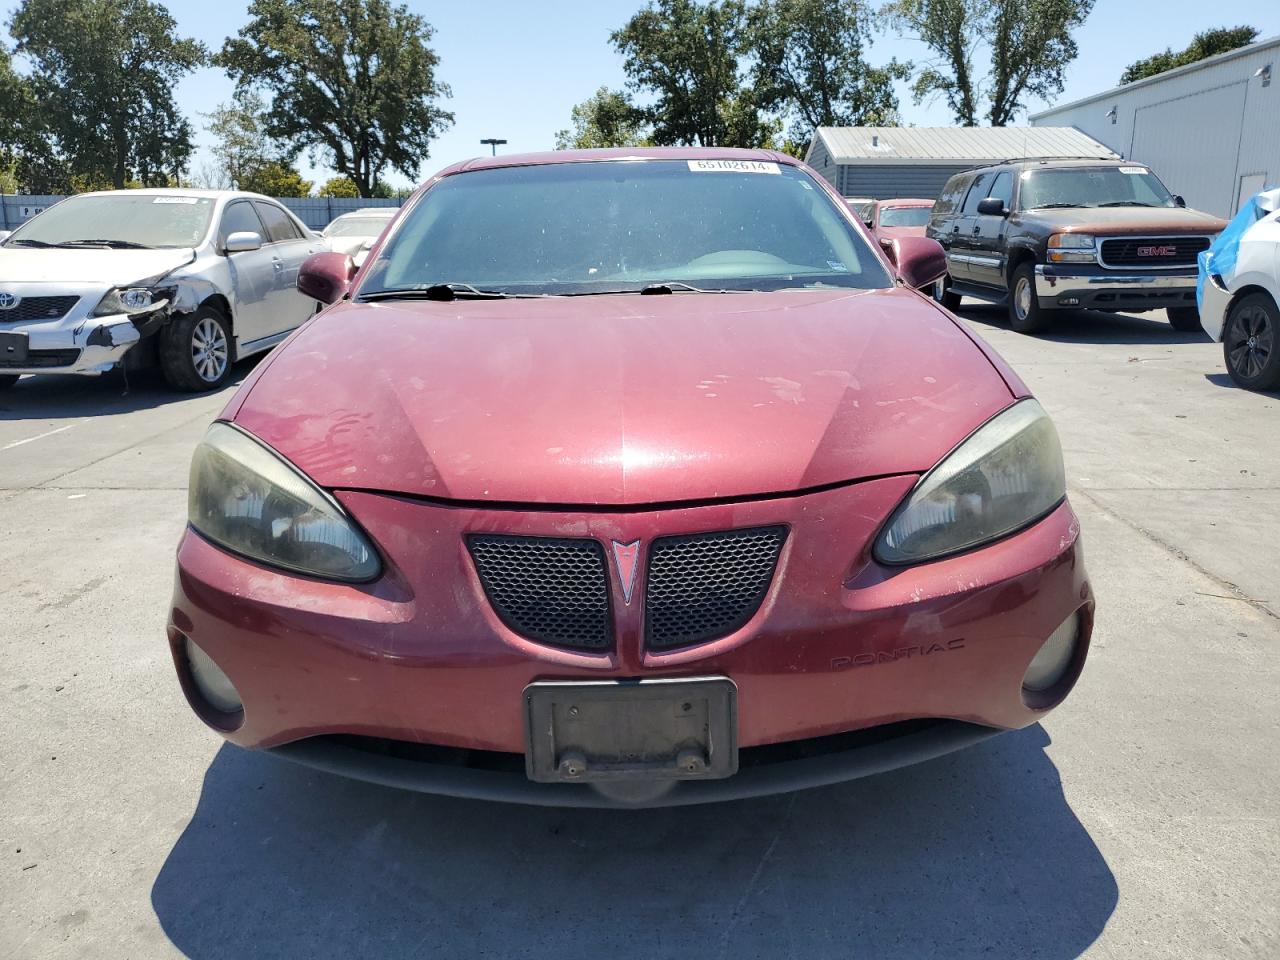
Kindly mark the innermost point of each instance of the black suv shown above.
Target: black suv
(1049, 234)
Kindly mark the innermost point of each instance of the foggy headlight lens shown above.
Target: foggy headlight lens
(247, 499)
(1005, 476)
(131, 300)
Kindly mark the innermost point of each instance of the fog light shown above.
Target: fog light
(214, 685)
(1054, 658)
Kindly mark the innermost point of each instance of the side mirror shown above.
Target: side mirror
(1178, 201)
(326, 276)
(889, 251)
(920, 260)
(991, 207)
(243, 241)
(868, 223)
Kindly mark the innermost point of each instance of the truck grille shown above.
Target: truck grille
(32, 309)
(705, 586)
(1152, 252)
(550, 590)
(42, 358)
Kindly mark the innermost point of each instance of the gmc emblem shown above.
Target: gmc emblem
(1165, 251)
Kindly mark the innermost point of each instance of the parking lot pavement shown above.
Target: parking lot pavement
(1142, 819)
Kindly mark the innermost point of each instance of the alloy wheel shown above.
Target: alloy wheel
(209, 351)
(1252, 340)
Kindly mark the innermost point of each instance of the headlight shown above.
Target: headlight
(132, 300)
(1007, 475)
(246, 498)
(1072, 248)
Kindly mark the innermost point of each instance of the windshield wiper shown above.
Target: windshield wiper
(679, 286)
(26, 243)
(1054, 206)
(112, 244)
(1125, 203)
(442, 292)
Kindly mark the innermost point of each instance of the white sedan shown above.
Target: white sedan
(1240, 293)
(354, 233)
(191, 279)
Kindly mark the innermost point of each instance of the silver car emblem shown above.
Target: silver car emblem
(8, 301)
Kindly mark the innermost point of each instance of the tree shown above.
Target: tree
(1206, 44)
(685, 56)
(1029, 43)
(338, 187)
(353, 80)
(103, 73)
(275, 179)
(607, 118)
(809, 64)
(240, 141)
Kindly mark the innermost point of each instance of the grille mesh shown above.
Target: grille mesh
(707, 585)
(38, 308)
(1136, 251)
(550, 590)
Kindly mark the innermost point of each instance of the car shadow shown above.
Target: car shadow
(54, 397)
(1091, 326)
(1224, 380)
(975, 854)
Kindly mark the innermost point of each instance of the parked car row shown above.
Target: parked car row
(190, 280)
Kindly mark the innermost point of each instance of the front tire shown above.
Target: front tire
(195, 350)
(1025, 313)
(1184, 319)
(943, 293)
(1251, 343)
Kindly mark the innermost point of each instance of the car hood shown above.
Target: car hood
(1161, 221)
(114, 267)
(622, 399)
(896, 233)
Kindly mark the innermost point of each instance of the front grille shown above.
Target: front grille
(707, 585)
(43, 358)
(546, 589)
(30, 309)
(1152, 251)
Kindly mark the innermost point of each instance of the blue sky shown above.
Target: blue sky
(517, 68)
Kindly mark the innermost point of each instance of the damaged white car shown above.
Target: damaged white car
(1239, 293)
(190, 279)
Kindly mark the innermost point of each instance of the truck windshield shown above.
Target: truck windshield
(119, 220)
(1093, 187)
(620, 226)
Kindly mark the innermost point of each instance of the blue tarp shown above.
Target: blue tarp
(1220, 258)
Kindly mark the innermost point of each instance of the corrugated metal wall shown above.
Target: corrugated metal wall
(1203, 130)
(315, 212)
(890, 180)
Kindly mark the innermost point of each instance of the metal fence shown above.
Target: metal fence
(315, 212)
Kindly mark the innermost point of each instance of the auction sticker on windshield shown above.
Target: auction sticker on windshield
(1133, 170)
(733, 166)
(192, 200)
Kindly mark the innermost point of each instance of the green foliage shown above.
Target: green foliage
(607, 118)
(242, 151)
(1029, 43)
(809, 65)
(353, 80)
(103, 74)
(685, 57)
(338, 187)
(1206, 44)
(275, 179)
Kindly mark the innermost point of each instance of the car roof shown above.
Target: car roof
(618, 153)
(363, 212)
(1055, 162)
(906, 202)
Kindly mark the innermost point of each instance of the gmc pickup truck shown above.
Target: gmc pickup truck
(1046, 235)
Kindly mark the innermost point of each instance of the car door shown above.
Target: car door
(963, 229)
(252, 273)
(987, 252)
(946, 210)
(290, 244)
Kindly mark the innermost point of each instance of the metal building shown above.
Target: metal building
(888, 162)
(1210, 130)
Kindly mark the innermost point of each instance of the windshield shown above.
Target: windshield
(905, 216)
(126, 220)
(619, 226)
(356, 227)
(1093, 187)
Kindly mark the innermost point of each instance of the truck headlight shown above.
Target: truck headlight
(245, 497)
(1072, 248)
(1006, 475)
(132, 300)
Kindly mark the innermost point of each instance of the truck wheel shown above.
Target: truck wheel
(195, 350)
(1025, 312)
(943, 294)
(1251, 343)
(1185, 319)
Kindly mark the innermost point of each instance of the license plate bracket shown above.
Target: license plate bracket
(13, 349)
(579, 731)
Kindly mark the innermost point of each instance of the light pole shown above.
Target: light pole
(493, 142)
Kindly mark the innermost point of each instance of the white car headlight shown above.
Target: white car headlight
(1005, 476)
(244, 497)
(132, 300)
(1072, 248)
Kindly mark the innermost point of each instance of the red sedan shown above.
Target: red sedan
(890, 220)
(627, 477)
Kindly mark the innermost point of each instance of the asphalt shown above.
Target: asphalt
(1141, 819)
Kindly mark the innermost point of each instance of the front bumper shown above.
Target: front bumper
(1095, 288)
(88, 347)
(839, 645)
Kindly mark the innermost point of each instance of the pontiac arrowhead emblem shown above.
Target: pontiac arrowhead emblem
(625, 556)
